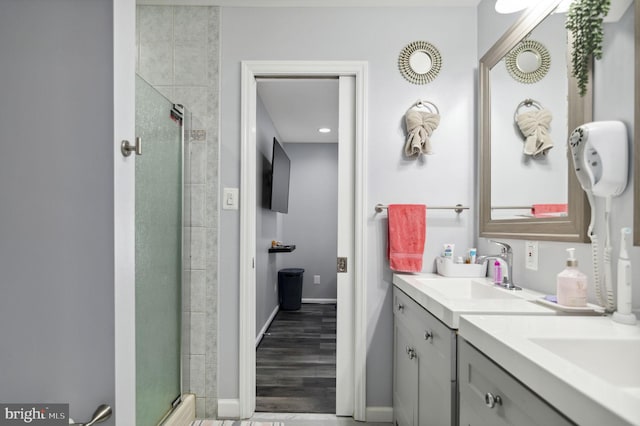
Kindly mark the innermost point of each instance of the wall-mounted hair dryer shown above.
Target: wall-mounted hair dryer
(600, 157)
(600, 152)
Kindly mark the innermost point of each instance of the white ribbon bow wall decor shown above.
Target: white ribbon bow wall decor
(421, 120)
(534, 126)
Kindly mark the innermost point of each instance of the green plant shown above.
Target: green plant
(584, 20)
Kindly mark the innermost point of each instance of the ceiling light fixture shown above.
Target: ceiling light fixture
(324, 130)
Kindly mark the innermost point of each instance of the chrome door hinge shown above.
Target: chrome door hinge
(342, 264)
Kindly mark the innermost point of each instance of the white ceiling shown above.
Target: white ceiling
(299, 107)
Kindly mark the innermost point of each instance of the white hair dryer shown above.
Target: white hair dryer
(600, 152)
(600, 155)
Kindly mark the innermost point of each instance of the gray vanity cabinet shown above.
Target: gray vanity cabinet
(424, 379)
(489, 396)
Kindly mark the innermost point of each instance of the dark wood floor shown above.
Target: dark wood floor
(296, 362)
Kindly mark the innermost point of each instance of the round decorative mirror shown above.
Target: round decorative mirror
(420, 62)
(528, 62)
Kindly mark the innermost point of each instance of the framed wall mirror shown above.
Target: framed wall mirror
(530, 191)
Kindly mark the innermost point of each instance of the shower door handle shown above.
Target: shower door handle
(127, 148)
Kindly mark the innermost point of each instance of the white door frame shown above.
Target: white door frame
(124, 24)
(247, 308)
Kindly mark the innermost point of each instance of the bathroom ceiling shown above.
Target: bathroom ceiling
(298, 107)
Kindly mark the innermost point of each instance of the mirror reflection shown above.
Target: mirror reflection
(420, 62)
(529, 129)
(527, 190)
(528, 61)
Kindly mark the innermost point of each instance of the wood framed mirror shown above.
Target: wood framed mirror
(572, 225)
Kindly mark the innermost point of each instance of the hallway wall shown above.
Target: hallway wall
(268, 223)
(312, 221)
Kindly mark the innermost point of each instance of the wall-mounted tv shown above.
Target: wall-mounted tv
(280, 171)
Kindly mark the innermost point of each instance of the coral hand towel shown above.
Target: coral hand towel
(407, 230)
(548, 210)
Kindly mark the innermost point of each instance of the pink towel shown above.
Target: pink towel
(407, 230)
(548, 210)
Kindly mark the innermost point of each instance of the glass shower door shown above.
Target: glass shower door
(158, 254)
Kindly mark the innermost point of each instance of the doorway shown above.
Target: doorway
(351, 316)
(296, 290)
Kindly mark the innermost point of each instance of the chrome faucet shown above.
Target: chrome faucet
(506, 254)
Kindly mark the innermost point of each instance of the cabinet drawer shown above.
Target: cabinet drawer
(427, 330)
(481, 382)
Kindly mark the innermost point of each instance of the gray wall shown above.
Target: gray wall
(268, 223)
(613, 100)
(312, 222)
(56, 208)
(375, 35)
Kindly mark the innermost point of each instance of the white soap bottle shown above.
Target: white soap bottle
(572, 284)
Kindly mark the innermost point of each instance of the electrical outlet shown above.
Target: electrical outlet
(531, 255)
(316, 279)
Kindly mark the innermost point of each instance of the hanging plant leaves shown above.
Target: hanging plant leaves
(584, 20)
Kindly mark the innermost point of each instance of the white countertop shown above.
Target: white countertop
(606, 395)
(448, 310)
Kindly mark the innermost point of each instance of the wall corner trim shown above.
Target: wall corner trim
(379, 414)
(229, 408)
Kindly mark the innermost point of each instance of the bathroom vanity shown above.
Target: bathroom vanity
(426, 311)
(470, 353)
(424, 379)
(489, 396)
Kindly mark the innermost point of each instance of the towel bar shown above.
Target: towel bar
(458, 208)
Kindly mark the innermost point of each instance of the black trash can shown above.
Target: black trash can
(290, 288)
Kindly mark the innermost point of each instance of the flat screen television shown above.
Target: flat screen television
(280, 171)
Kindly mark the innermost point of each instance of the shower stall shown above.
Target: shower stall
(159, 223)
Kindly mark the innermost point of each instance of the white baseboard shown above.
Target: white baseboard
(267, 324)
(320, 301)
(184, 414)
(228, 408)
(379, 414)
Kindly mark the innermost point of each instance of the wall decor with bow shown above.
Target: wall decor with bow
(421, 120)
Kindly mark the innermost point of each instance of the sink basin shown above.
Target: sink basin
(447, 298)
(613, 360)
(466, 289)
(585, 366)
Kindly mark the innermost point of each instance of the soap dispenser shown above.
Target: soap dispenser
(572, 284)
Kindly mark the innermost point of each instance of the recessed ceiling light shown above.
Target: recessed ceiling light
(324, 130)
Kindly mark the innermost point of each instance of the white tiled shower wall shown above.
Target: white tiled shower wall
(178, 53)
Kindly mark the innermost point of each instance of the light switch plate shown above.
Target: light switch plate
(531, 255)
(230, 198)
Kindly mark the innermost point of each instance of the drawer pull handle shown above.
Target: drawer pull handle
(400, 307)
(411, 352)
(491, 400)
(428, 335)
